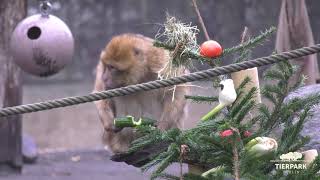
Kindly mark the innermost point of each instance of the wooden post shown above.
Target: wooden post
(11, 12)
(252, 73)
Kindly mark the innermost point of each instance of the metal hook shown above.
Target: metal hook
(45, 8)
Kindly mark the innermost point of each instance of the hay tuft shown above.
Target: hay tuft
(183, 37)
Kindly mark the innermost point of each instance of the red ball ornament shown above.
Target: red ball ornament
(226, 133)
(247, 133)
(210, 49)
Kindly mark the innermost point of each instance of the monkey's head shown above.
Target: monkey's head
(127, 61)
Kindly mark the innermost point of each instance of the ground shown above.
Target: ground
(79, 165)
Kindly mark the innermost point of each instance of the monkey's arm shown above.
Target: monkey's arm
(173, 108)
(104, 107)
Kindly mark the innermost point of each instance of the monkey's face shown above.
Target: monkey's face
(124, 63)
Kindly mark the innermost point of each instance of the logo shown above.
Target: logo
(291, 162)
(291, 156)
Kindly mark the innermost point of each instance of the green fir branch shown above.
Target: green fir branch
(155, 161)
(287, 69)
(251, 43)
(291, 133)
(276, 94)
(264, 111)
(173, 154)
(194, 54)
(300, 142)
(275, 89)
(244, 111)
(269, 96)
(243, 84)
(239, 104)
(216, 144)
(244, 56)
(253, 121)
(273, 74)
(299, 83)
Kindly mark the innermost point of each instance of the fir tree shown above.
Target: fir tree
(231, 156)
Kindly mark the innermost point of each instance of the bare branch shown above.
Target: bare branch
(244, 35)
(204, 29)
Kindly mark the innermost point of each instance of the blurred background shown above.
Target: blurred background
(94, 22)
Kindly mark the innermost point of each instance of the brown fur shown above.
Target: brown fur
(137, 61)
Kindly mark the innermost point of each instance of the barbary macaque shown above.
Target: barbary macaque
(130, 59)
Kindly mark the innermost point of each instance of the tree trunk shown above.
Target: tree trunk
(11, 12)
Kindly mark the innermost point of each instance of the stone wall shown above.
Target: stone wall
(94, 22)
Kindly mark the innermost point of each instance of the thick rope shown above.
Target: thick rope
(69, 101)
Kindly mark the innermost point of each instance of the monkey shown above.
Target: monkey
(131, 59)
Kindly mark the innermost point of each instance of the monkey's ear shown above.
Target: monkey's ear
(102, 54)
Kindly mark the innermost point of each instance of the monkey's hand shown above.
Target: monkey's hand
(105, 107)
(113, 129)
(106, 115)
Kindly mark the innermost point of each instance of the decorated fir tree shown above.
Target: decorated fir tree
(236, 139)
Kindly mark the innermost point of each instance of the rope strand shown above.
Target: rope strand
(69, 101)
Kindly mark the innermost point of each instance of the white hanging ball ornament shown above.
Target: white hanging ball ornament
(42, 44)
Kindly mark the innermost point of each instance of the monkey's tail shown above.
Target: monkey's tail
(212, 112)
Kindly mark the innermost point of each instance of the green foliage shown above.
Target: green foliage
(244, 55)
(276, 94)
(172, 153)
(207, 148)
(242, 106)
(244, 48)
(251, 43)
(312, 172)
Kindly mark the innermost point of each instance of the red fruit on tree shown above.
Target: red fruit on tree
(210, 49)
(226, 133)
